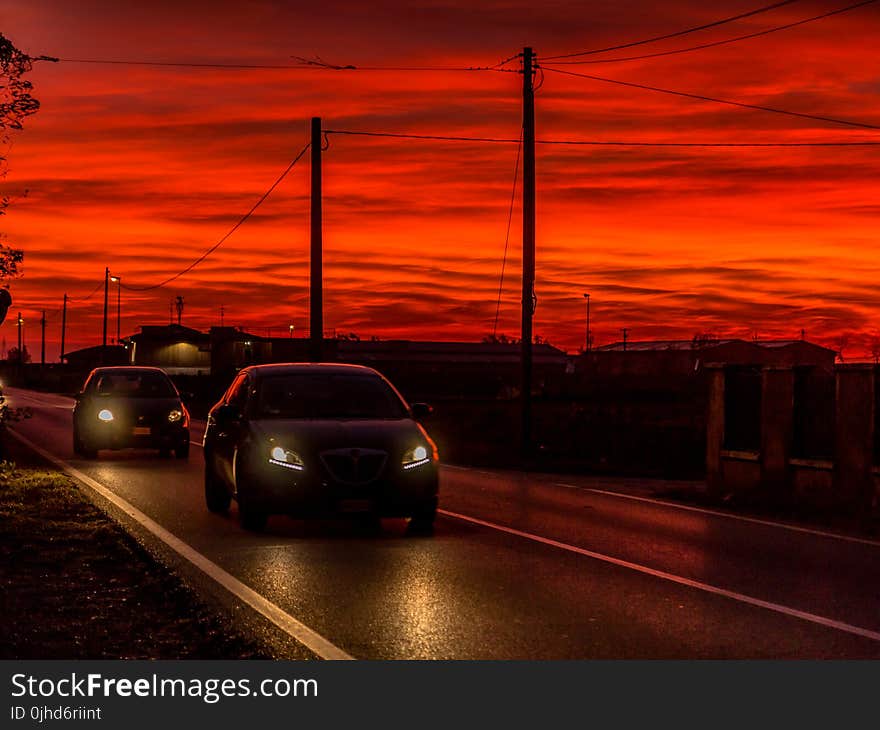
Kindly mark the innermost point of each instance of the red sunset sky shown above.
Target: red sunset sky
(143, 168)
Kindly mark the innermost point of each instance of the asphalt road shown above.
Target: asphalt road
(520, 567)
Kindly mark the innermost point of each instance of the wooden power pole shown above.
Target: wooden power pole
(528, 257)
(63, 328)
(20, 343)
(316, 278)
(106, 296)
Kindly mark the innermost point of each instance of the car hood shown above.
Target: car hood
(315, 436)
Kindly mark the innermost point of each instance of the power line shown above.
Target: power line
(449, 138)
(319, 63)
(602, 143)
(507, 235)
(305, 66)
(702, 46)
(53, 314)
(228, 233)
(728, 102)
(507, 60)
(183, 64)
(88, 296)
(723, 21)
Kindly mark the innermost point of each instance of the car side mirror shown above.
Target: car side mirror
(421, 410)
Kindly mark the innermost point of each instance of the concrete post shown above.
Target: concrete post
(854, 436)
(777, 412)
(715, 430)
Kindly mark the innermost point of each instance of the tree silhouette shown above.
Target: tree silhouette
(12, 355)
(16, 104)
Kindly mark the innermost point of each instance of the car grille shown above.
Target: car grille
(354, 466)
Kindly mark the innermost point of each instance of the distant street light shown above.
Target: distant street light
(291, 332)
(118, 280)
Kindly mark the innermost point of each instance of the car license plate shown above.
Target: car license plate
(354, 505)
(141, 430)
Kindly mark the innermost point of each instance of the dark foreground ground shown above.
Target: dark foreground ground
(74, 585)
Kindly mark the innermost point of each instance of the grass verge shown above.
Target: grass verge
(75, 585)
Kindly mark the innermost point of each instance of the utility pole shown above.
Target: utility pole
(63, 327)
(625, 331)
(316, 282)
(222, 313)
(106, 294)
(528, 258)
(20, 343)
(118, 281)
(588, 345)
(179, 304)
(43, 339)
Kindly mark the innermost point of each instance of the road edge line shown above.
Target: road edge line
(280, 618)
(680, 580)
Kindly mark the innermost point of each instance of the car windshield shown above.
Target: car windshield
(145, 384)
(321, 395)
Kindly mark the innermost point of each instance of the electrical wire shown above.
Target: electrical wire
(507, 235)
(728, 102)
(449, 138)
(507, 60)
(88, 296)
(53, 314)
(318, 62)
(232, 230)
(309, 65)
(183, 64)
(605, 143)
(654, 39)
(726, 41)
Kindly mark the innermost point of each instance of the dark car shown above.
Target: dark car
(316, 440)
(124, 407)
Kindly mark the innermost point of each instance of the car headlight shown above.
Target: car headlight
(175, 415)
(417, 456)
(105, 415)
(286, 458)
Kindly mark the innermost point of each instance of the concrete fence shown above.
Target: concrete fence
(795, 435)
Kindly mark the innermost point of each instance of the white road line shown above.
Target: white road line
(741, 597)
(469, 468)
(283, 620)
(690, 508)
(719, 513)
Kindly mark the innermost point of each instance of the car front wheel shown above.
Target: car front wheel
(80, 448)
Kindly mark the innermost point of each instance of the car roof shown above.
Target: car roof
(124, 369)
(320, 368)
